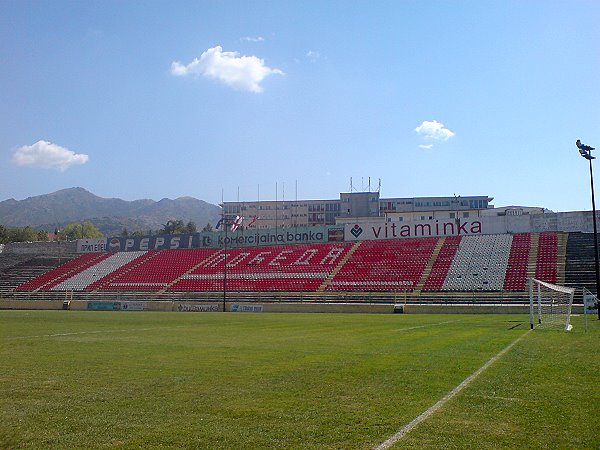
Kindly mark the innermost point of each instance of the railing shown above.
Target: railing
(475, 297)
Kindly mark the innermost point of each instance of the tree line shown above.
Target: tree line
(70, 232)
(171, 227)
(87, 230)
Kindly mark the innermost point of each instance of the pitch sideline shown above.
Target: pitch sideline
(425, 415)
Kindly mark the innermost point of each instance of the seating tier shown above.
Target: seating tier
(385, 265)
(94, 276)
(546, 269)
(479, 264)
(156, 271)
(277, 268)
(63, 272)
(439, 270)
(463, 264)
(516, 272)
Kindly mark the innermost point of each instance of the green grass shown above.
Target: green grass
(245, 381)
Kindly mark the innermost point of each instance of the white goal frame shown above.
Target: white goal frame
(550, 305)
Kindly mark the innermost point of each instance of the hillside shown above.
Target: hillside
(110, 215)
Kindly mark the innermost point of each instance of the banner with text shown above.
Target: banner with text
(91, 245)
(363, 231)
(218, 239)
(272, 236)
(199, 308)
(163, 242)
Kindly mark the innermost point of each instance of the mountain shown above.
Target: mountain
(110, 215)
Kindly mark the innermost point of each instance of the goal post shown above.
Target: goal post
(550, 305)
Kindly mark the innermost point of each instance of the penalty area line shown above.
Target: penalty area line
(425, 415)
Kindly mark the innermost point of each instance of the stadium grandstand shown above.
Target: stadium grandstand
(421, 257)
(456, 268)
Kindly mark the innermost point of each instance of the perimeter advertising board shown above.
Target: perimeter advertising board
(116, 306)
(104, 306)
(246, 308)
(590, 303)
(371, 231)
(163, 242)
(218, 239)
(183, 307)
(374, 230)
(292, 235)
(91, 245)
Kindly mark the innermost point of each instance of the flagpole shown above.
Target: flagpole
(225, 256)
(239, 208)
(225, 269)
(257, 211)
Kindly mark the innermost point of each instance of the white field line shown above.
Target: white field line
(78, 333)
(429, 325)
(425, 415)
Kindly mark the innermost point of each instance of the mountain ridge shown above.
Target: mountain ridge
(110, 215)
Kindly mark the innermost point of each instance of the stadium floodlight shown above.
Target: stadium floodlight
(586, 152)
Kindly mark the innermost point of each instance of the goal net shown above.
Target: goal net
(550, 305)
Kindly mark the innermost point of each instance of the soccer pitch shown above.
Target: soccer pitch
(245, 381)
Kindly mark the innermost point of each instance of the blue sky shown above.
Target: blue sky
(157, 99)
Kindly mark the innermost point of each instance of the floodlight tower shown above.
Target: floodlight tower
(586, 152)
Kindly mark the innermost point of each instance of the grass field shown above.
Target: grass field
(246, 381)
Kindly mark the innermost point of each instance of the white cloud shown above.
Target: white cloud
(240, 72)
(434, 130)
(312, 55)
(47, 155)
(426, 146)
(253, 39)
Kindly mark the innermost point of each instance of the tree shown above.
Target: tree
(207, 227)
(125, 233)
(85, 230)
(42, 236)
(173, 227)
(190, 227)
(26, 234)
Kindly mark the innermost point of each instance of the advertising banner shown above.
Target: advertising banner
(163, 242)
(104, 306)
(218, 239)
(589, 303)
(246, 308)
(132, 306)
(363, 231)
(271, 236)
(199, 308)
(91, 245)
